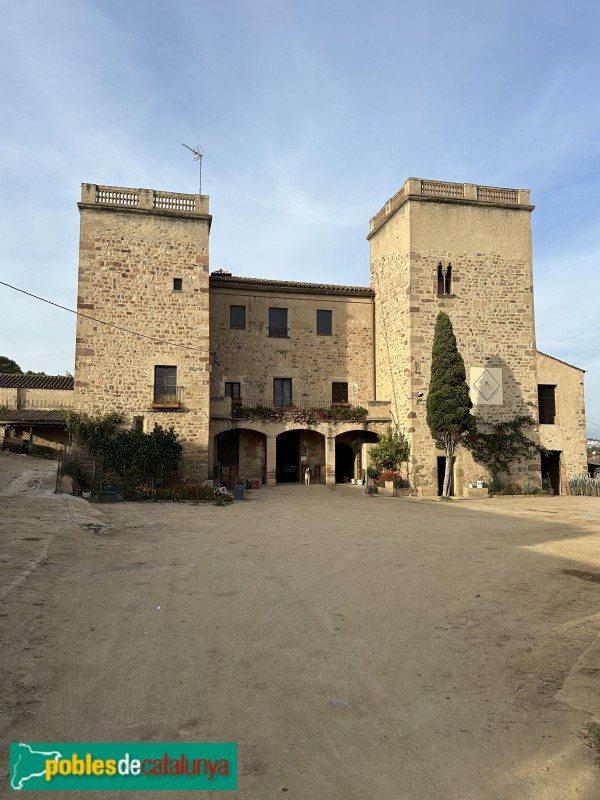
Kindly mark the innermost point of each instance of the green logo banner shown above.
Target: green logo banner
(125, 765)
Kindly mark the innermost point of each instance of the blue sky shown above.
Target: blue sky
(311, 115)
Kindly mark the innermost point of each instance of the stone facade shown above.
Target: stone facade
(143, 267)
(253, 358)
(465, 250)
(32, 407)
(567, 434)
(241, 348)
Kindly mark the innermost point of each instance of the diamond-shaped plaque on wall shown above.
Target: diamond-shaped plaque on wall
(486, 386)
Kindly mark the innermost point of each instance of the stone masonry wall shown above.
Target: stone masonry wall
(390, 280)
(253, 358)
(568, 434)
(128, 260)
(491, 309)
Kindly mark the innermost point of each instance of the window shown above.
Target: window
(138, 424)
(237, 317)
(324, 322)
(233, 390)
(278, 322)
(282, 391)
(177, 284)
(444, 279)
(339, 393)
(547, 404)
(165, 384)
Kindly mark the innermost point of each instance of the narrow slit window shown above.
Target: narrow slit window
(177, 284)
(444, 279)
(440, 279)
(448, 280)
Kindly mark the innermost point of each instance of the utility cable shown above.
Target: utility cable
(102, 321)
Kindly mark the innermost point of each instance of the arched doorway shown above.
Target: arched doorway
(240, 453)
(344, 462)
(295, 451)
(288, 457)
(350, 454)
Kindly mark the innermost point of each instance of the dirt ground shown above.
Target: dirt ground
(356, 647)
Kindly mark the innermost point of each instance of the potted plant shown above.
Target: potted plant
(373, 474)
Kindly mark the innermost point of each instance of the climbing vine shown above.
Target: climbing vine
(499, 445)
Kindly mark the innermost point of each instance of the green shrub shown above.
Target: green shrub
(178, 493)
(43, 451)
(71, 466)
(584, 485)
(390, 452)
(502, 488)
(530, 488)
(592, 730)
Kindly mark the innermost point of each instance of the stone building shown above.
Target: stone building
(263, 378)
(32, 408)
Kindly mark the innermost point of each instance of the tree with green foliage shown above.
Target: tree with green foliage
(93, 433)
(448, 403)
(498, 445)
(391, 451)
(163, 451)
(7, 365)
(125, 452)
(137, 453)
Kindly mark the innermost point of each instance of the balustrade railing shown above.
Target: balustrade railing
(167, 397)
(302, 410)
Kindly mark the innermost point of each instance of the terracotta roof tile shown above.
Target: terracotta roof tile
(33, 416)
(220, 279)
(19, 381)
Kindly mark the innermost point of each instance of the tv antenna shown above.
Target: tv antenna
(198, 153)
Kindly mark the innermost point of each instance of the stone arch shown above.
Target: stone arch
(349, 449)
(240, 452)
(296, 449)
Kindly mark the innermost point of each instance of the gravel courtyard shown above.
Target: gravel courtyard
(355, 647)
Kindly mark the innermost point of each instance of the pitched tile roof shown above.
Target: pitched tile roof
(226, 279)
(19, 381)
(33, 416)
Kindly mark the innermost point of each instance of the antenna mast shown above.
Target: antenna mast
(198, 153)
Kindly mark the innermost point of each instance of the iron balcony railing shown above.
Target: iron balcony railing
(167, 396)
(278, 333)
(304, 410)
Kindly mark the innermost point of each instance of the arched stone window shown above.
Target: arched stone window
(444, 279)
(440, 278)
(448, 280)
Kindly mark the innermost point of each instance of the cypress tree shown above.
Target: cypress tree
(448, 403)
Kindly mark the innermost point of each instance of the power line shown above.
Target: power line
(102, 321)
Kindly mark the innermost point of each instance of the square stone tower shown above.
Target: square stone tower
(143, 269)
(466, 250)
